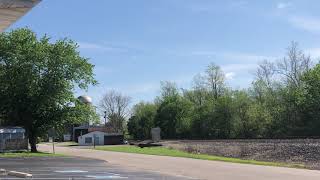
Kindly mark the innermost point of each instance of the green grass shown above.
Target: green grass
(63, 144)
(162, 151)
(27, 154)
(69, 143)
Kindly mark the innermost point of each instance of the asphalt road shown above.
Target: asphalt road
(76, 168)
(190, 168)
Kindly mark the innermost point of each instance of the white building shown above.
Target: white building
(101, 138)
(87, 139)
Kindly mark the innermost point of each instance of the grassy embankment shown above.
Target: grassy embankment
(162, 151)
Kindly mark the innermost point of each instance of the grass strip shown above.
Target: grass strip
(162, 151)
(27, 154)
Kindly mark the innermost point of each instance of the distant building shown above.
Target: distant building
(13, 139)
(100, 138)
(87, 134)
(85, 128)
(81, 129)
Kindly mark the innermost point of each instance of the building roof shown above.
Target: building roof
(100, 132)
(91, 133)
(12, 10)
(12, 129)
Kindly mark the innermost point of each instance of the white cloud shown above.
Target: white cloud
(132, 90)
(311, 24)
(283, 5)
(230, 75)
(313, 52)
(103, 70)
(85, 45)
(244, 67)
(232, 55)
(99, 47)
(141, 88)
(244, 64)
(245, 56)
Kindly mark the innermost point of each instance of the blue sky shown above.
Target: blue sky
(137, 44)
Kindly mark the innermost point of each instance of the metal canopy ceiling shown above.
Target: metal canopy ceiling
(12, 10)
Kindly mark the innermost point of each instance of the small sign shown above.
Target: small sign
(156, 134)
(51, 132)
(66, 137)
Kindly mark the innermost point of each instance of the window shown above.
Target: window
(96, 140)
(88, 140)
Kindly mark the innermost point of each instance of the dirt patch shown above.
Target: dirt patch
(306, 151)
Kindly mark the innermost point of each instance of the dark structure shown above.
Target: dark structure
(113, 139)
(79, 131)
(109, 135)
(13, 139)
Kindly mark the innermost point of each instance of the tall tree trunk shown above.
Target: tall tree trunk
(33, 142)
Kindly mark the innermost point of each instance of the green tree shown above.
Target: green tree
(173, 117)
(277, 87)
(134, 128)
(309, 103)
(37, 79)
(223, 117)
(282, 102)
(249, 118)
(142, 121)
(173, 113)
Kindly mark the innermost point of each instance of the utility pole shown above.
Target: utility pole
(105, 118)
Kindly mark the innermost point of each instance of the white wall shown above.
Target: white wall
(97, 134)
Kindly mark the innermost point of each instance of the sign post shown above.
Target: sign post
(94, 141)
(53, 150)
(51, 134)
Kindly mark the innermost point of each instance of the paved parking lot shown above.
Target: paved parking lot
(75, 168)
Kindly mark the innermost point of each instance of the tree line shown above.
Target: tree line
(38, 78)
(283, 101)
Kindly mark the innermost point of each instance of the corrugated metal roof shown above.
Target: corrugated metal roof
(12, 10)
(11, 129)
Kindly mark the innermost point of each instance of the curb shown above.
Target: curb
(19, 174)
(3, 172)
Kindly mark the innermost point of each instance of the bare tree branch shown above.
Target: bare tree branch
(116, 107)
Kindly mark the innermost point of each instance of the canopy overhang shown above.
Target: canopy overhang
(12, 10)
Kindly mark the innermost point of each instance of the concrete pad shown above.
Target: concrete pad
(66, 168)
(3, 172)
(19, 174)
